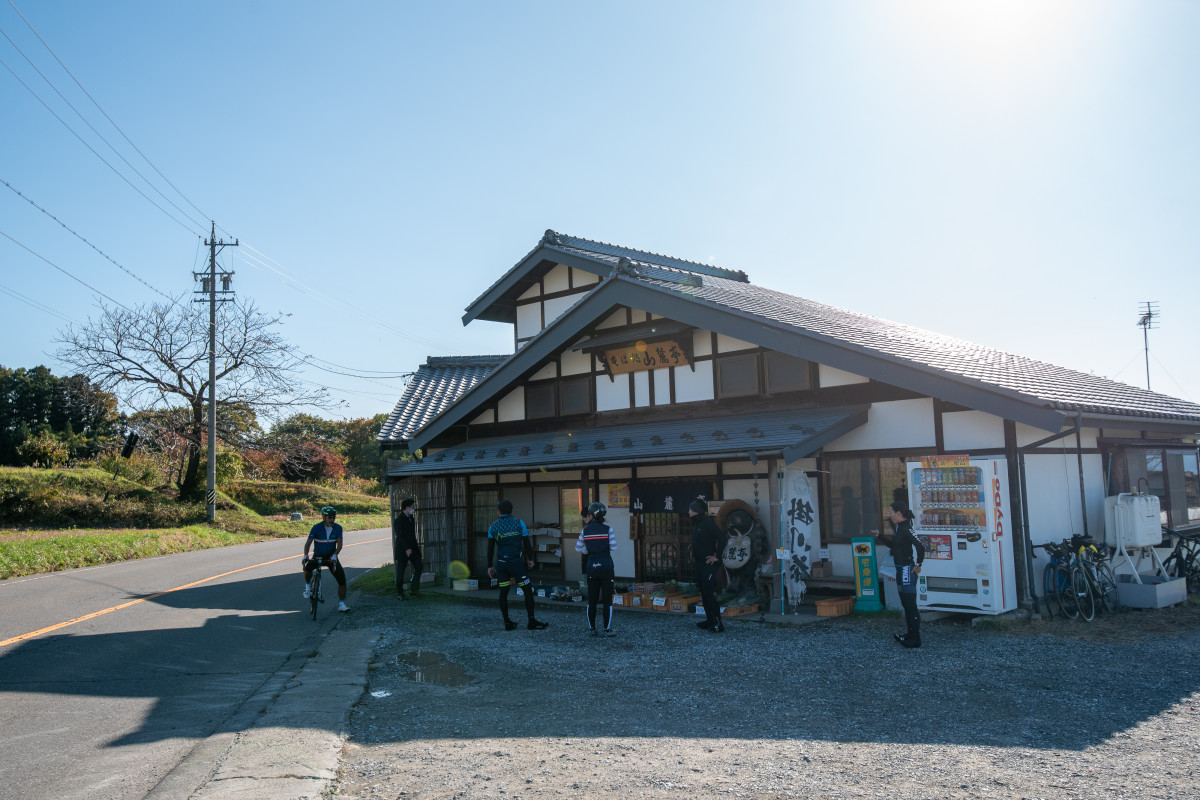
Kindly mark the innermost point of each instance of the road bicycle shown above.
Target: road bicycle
(1184, 561)
(1092, 581)
(314, 585)
(1056, 581)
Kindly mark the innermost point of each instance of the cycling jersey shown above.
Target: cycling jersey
(508, 533)
(325, 540)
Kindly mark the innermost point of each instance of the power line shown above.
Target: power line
(85, 121)
(92, 149)
(85, 241)
(106, 116)
(63, 271)
(332, 300)
(30, 301)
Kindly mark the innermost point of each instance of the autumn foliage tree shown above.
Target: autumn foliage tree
(155, 357)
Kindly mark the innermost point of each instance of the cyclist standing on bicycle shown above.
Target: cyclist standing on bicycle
(325, 540)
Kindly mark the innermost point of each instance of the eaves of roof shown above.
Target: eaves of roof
(792, 434)
(435, 387)
(496, 304)
(1011, 387)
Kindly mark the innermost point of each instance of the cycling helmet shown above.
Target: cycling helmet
(330, 510)
(597, 510)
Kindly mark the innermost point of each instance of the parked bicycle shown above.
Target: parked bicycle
(1092, 581)
(1056, 581)
(1184, 561)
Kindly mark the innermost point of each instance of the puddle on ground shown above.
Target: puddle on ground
(431, 667)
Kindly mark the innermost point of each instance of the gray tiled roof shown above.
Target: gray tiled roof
(796, 433)
(435, 386)
(1056, 387)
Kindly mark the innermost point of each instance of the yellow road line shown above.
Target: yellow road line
(95, 614)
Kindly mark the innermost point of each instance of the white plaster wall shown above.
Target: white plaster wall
(900, 423)
(677, 470)
(1027, 435)
(531, 292)
(614, 319)
(548, 371)
(557, 306)
(557, 279)
(522, 499)
(612, 395)
(641, 389)
(963, 431)
(529, 320)
(662, 386)
(618, 518)
(728, 344)
(582, 277)
(701, 343)
(513, 477)
(560, 476)
(512, 406)
(691, 386)
(482, 479)
(620, 474)
(572, 362)
(485, 418)
(1052, 483)
(831, 376)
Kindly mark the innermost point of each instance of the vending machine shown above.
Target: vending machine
(960, 508)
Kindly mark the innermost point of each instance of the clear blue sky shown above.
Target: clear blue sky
(1016, 174)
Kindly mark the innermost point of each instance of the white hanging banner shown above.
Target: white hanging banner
(801, 533)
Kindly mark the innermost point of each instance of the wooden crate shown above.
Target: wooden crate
(835, 607)
(739, 611)
(682, 603)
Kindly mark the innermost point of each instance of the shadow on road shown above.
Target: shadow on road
(198, 675)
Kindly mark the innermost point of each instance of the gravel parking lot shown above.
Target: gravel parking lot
(458, 707)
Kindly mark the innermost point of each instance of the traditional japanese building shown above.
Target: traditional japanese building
(643, 381)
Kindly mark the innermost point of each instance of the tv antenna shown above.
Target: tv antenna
(1147, 319)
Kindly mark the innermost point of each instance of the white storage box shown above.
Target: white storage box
(1132, 520)
(427, 577)
(1154, 591)
(465, 585)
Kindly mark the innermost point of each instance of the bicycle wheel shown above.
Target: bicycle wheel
(1050, 593)
(1064, 593)
(1081, 589)
(1106, 587)
(314, 591)
(1191, 570)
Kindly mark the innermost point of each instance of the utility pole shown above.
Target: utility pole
(1147, 319)
(208, 284)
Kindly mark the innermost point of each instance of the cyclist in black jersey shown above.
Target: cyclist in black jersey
(597, 541)
(907, 552)
(511, 552)
(708, 542)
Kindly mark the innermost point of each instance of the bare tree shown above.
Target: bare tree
(152, 355)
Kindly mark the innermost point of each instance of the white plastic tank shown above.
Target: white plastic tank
(1133, 520)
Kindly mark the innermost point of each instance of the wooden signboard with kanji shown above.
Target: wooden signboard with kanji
(640, 356)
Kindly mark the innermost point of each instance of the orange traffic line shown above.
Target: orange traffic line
(95, 614)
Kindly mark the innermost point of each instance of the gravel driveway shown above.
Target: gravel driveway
(457, 707)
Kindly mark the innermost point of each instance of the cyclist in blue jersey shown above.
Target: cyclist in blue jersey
(511, 552)
(325, 541)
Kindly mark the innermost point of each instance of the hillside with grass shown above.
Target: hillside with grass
(53, 519)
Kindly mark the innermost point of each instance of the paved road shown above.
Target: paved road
(157, 655)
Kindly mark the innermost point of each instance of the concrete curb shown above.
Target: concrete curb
(292, 749)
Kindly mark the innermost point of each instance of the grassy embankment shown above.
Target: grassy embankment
(58, 519)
